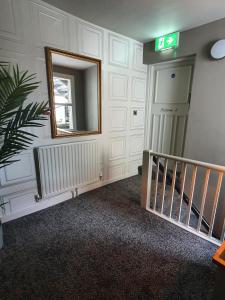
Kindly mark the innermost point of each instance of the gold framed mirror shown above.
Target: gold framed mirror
(74, 85)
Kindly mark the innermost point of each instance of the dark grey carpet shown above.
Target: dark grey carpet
(102, 245)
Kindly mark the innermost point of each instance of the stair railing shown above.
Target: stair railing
(153, 194)
(177, 188)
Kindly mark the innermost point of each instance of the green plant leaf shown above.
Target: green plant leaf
(15, 116)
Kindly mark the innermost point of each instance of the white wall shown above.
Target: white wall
(91, 98)
(25, 28)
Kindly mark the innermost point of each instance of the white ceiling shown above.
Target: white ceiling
(144, 20)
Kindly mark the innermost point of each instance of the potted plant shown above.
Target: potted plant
(16, 115)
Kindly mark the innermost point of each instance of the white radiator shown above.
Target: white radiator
(66, 167)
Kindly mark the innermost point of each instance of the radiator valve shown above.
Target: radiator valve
(37, 198)
(74, 193)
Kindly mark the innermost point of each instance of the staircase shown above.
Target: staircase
(185, 201)
(171, 188)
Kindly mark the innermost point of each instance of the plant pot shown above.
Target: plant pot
(1, 235)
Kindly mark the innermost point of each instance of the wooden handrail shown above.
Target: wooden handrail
(188, 161)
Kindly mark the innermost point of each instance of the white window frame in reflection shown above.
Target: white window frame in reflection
(66, 104)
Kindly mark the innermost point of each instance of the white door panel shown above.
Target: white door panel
(170, 105)
(172, 85)
(168, 133)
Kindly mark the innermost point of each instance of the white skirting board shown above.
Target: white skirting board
(45, 203)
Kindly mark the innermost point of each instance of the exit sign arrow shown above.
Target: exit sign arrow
(169, 40)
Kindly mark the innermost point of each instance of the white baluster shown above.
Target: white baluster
(192, 188)
(205, 188)
(156, 184)
(215, 202)
(173, 187)
(183, 177)
(164, 184)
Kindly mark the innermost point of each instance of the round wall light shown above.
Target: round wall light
(218, 50)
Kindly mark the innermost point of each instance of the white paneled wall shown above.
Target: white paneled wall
(26, 27)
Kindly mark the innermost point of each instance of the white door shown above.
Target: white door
(169, 106)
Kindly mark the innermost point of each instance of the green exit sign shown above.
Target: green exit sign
(167, 41)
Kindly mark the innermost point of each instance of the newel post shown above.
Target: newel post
(146, 179)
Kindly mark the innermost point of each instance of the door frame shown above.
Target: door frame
(150, 92)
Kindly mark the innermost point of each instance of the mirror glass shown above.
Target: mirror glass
(74, 88)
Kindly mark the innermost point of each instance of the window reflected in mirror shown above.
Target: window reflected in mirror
(75, 93)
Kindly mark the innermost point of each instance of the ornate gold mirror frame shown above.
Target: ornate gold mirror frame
(81, 62)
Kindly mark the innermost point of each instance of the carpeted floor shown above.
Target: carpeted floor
(102, 245)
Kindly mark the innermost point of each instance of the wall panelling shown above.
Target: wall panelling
(26, 27)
